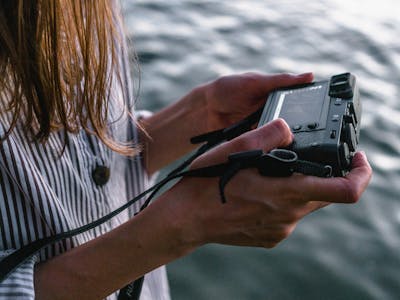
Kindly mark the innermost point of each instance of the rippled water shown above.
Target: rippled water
(341, 252)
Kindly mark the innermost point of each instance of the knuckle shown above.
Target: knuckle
(278, 236)
(285, 76)
(245, 80)
(279, 124)
(284, 233)
(281, 127)
(352, 192)
(269, 244)
(219, 81)
(249, 79)
(292, 216)
(251, 76)
(244, 143)
(352, 196)
(218, 84)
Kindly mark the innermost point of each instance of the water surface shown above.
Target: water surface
(343, 251)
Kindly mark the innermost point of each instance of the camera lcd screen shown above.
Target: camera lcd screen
(301, 106)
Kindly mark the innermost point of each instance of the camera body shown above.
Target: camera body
(324, 117)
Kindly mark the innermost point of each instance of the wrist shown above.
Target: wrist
(183, 205)
(171, 129)
(194, 114)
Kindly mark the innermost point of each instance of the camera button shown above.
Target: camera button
(312, 125)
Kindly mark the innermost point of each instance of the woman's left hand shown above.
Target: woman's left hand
(229, 99)
(214, 105)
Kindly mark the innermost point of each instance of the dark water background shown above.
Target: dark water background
(343, 251)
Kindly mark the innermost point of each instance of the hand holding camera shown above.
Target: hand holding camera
(260, 210)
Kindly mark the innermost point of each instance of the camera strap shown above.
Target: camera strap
(277, 163)
(228, 133)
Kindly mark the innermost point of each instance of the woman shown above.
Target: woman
(70, 153)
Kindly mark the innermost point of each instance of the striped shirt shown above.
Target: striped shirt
(43, 193)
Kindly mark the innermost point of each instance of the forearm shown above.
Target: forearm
(168, 132)
(101, 266)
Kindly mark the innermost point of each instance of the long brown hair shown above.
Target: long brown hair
(58, 59)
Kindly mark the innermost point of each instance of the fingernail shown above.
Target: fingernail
(362, 152)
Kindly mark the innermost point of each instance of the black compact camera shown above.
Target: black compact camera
(324, 117)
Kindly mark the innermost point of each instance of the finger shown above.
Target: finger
(272, 82)
(346, 189)
(270, 136)
(312, 206)
(302, 189)
(290, 191)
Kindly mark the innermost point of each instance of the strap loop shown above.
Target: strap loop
(277, 163)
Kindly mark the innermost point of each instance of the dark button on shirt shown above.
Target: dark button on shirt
(101, 175)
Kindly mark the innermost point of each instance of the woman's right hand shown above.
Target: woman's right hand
(260, 211)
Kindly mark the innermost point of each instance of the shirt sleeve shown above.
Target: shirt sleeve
(19, 284)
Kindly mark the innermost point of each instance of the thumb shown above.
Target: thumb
(272, 135)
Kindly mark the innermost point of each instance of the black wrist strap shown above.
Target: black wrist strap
(131, 291)
(275, 163)
(226, 134)
(12, 261)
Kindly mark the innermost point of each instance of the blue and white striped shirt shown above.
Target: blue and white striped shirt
(43, 193)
